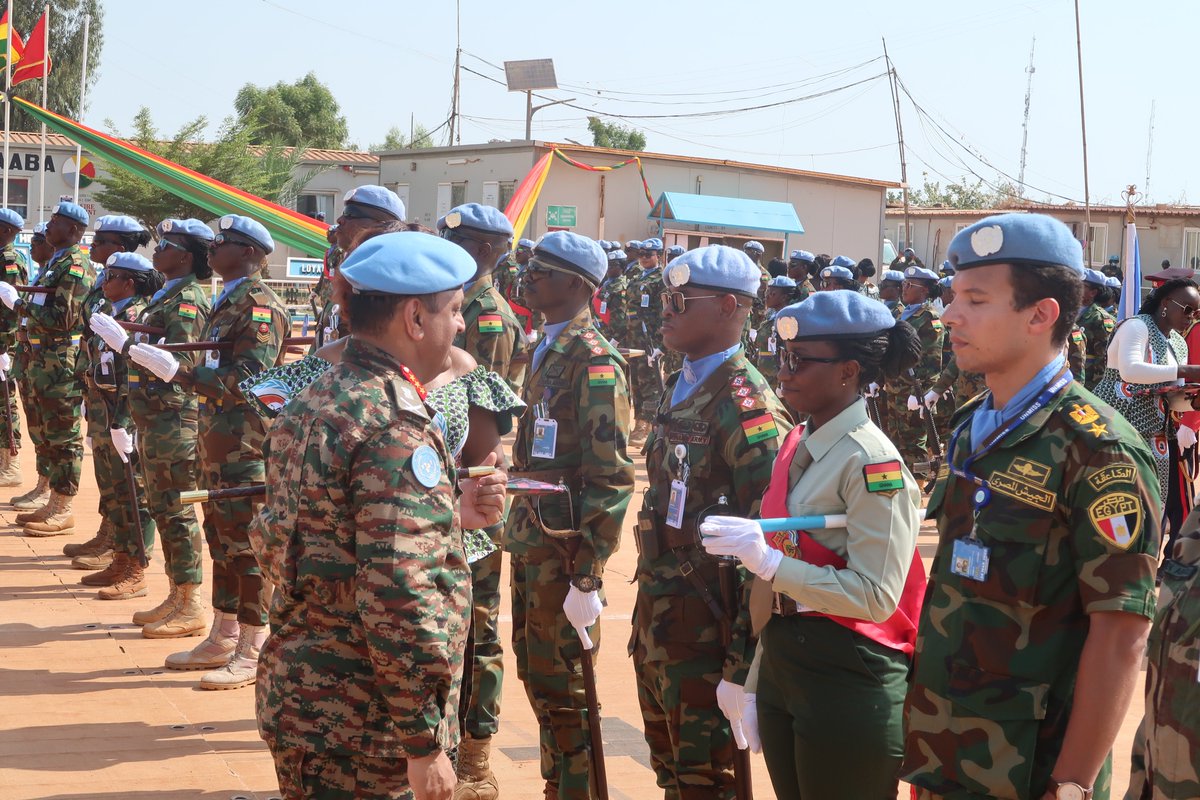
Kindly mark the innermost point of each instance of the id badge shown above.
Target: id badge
(970, 559)
(753, 335)
(545, 438)
(603, 306)
(106, 362)
(645, 301)
(212, 359)
(676, 503)
(39, 299)
(771, 345)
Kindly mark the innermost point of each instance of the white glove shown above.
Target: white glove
(1186, 437)
(731, 699)
(160, 362)
(743, 539)
(931, 398)
(750, 722)
(5, 365)
(8, 294)
(913, 403)
(123, 442)
(107, 329)
(582, 610)
(872, 389)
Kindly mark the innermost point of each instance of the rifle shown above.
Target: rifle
(185, 347)
(8, 411)
(934, 445)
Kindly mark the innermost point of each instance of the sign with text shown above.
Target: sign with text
(560, 216)
(305, 268)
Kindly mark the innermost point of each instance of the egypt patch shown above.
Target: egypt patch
(759, 428)
(187, 310)
(260, 314)
(886, 476)
(1113, 473)
(491, 323)
(602, 376)
(1117, 517)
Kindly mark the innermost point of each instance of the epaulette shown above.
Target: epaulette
(487, 301)
(748, 394)
(404, 397)
(1090, 419)
(599, 348)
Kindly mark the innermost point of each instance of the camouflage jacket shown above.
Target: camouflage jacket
(107, 373)
(16, 272)
(645, 310)
(1097, 325)
(492, 334)
(966, 385)
(54, 317)
(1075, 350)
(766, 345)
(181, 312)
(928, 324)
(1072, 529)
(372, 591)
(581, 384)
(614, 301)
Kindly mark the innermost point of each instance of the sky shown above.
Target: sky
(818, 67)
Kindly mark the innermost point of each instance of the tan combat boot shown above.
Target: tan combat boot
(475, 778)
(110, 574)
(59, 521)
(10, 473)
(101, 541)
(215, 650)
(187, 618)
(242, 668)
(160, 611)
(132, 583)
(35, 497)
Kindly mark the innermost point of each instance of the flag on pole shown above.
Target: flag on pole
(1131, 286)
(34, 62)
(18, 47)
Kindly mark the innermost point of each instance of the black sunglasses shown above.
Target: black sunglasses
(224, 238)
(792, 362)
(355, 211)
(677, 301)
(163, 244)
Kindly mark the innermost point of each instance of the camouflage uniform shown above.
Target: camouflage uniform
(732, 426)
(908, 427)
(614, 301)
(166, 416)
(231, 435)
(370, 614)
(53, 324)
(504, 277)
(329, 326)
(492, 335)
(1076, 351)
(766, 346)
(1097, 325)
(965, 385)
(1072, 527)
(645, 324)
(582, 385)
(15, 273)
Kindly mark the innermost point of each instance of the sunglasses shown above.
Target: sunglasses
(541, 269)
(98, 242)
(355, 211)
(1188, 311)
(458, 237)
(163, 244)
(677, 302)
(792, 362)
(224, 238)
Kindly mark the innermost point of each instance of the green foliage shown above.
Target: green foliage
(396, 139)
(303, 113)
(66, 55)
(610, 134)
(232, 157)
(960, 194)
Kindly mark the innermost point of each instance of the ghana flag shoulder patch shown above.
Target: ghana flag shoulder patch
(602, 375)
(491, 323)
(759, 428)
(886, 476)
(187, 310)
(76, 271)
(259, 314)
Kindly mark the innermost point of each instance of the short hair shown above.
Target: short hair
(1034, 282)
(777, 267)
(371, 312)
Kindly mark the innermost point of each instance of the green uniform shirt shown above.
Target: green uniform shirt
(181, 312)
(16, 272)
(1097, 326)
(492, 334)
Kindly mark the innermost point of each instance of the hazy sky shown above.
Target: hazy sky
(963, 62)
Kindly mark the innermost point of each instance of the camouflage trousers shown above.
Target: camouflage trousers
(113, 482)
(548, 651)
(167, 446)
(12, 418)
(33, 421)
(57, 392)
(237, 586)
(487, 664)
(908, 430)
(339, 776)
(645, 385)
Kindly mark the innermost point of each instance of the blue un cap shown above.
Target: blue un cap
(838, 273)
(781, 282)
(620, 254)
(407, 263)
(118, 223)
(572, 253)
(633, 244)
(802, 255)
(71, 211)
(39, 231)
(654, 245)
(945, 282)
(834, 315)
(1094, 277)
(130, 261)
(892, 275)
(947, 267)
(250, 230)
(755, 246)
(843, 261)
(187, 227)
(1018, 239)
(527, 244)
(676, 250)
(10, 217)
(477, 217)
(714, 267)
(378, 197)
(1112, 283)
(915, 273)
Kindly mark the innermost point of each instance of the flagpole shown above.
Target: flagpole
(82, 93)
(45, 82)
(7, 88)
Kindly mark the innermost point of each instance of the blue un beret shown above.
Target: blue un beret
(71, 211)
(574, 253)
(1094, 276)
(755, 246)
(39, 231)
(947, 267)
(833, 315)
(10, 217)
(633, 244)
(915, 273)
(945, 282)
(611, 255)
(1111, 282)
(714, 267)
(839, 272)
(379, 197)
(781, 282)
(620, 254)
(248, 228)
(1017, 239)
(118, 223)
(187, 227)
(528, 244)
(802, 255)
(676, 250)
(893, 275)
(843, 261)
(654, 245)
(407, 263)
(130, 261)
(478, 217)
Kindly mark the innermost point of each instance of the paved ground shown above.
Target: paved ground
(88, 713)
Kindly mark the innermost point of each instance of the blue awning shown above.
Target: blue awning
(728, 212)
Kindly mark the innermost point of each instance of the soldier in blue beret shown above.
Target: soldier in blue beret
(1096, 326)
(1112, 268)
(72, 211)
(675, 250)
(1048, 532)
(838, 277)
(644, 318)
(654, 245)
(753, 247)
(366, 211)
(889, 290)
(801, 264)
(947, 268)
(780, 292)
(16, 272)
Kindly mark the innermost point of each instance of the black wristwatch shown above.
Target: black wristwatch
(586, 583)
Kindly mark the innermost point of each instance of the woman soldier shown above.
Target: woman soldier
(909, 426)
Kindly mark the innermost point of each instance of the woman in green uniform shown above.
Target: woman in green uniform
(837, 606)
(906, 390)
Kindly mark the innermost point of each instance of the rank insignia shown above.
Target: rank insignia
(1085, 414)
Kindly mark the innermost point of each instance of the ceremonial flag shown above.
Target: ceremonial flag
(18, 47)
(521, 206)
(35, 62)
(1131, 288)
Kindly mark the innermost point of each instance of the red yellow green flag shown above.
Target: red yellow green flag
(35, 61)
(18, 47)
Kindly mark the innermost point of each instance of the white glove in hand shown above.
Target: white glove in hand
(872, 390)
(107, 329)
(5, 365)
(931, 398)
(582, 610)
(743, 539)
(913, 403)
(1186, 437)
(160, 362)
(750, 722)
(8, 294)
(731, 699)
(123, 442)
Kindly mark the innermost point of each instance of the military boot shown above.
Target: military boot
(96, 553)
(10, 473)
(110, 574)
(187, 618)
(242, 668)
(215, 650)
(475, 778)
(132, 583)
(160, 611)
(59, 521)
(35, 497)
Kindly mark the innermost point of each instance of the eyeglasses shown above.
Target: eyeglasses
(355, 211)
(677, 302)
(224, 238)
(458, 237)
(1188, 311)
(112, 273)
(541, 269)
(163, 244)
(792, 362)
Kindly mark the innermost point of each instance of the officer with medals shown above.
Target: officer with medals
(715, 437)
(1097, 326)
(1041, 594)
(575, 431)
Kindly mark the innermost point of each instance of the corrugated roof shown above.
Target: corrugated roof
(729, 212)
(1160, 210)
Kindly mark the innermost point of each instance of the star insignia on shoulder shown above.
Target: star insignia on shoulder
(1098, 429)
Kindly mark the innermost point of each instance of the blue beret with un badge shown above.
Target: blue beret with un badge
(1019, 239)
(947, 267)
(945, 282)
(755, 246)
(130, 261)
(717, 267)
(528, 244)
(915, 273)
(620, 254)
(188, 227)
(833, 315)
(478, 217)
(611, 255)
(843, 261)
(118, 223)
(248, 229)
(676, 250)
(633, 244)
(39, 231)
(407, 263)
(379, 197)
(781, 282)
(10, 217)
(573, 253)
(802, 255)
(1094, 277)
(893, 275)
(654, 245)
(837, 272)
(1112, 283)
(72, 211)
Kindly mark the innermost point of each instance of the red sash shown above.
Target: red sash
(596, 301)
(899, 631)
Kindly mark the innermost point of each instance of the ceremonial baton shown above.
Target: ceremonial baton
(131, 482)
(37, 289)
(260, 489)
(8, 411)
(813, 522)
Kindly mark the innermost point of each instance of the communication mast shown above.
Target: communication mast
(1025, 126)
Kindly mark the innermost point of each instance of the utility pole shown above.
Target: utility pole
(455, 123)
(1149, 151)
(900, 137)
(1025, 126)
(1087, 199)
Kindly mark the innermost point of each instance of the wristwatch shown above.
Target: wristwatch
(1066, 790)
(586, 583)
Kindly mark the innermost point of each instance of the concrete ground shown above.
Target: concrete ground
(89, 713)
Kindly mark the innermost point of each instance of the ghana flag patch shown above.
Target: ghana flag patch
(260, 314)
(491, 323)
(759, 428)
(886, 476)
(187, 310)
(602, 376)
(76, 271)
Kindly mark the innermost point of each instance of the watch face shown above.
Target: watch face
(1070, 791)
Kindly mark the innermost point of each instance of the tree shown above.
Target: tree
(396, 139)
(66, 55)
(303, 113)
(610, 134)
(232, 157)
(959, 194)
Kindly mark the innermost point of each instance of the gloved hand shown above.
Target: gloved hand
(931, 398)
(582, 610)
(160, 362)
(123, 442)
(742, 538)
(1186, 437)
(5, 365)
(107, 329)
(731, 699)
(913, 403)
(750, 722)
(8, 294)
(872, 389)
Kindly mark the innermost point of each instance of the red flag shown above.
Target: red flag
(35, 61)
